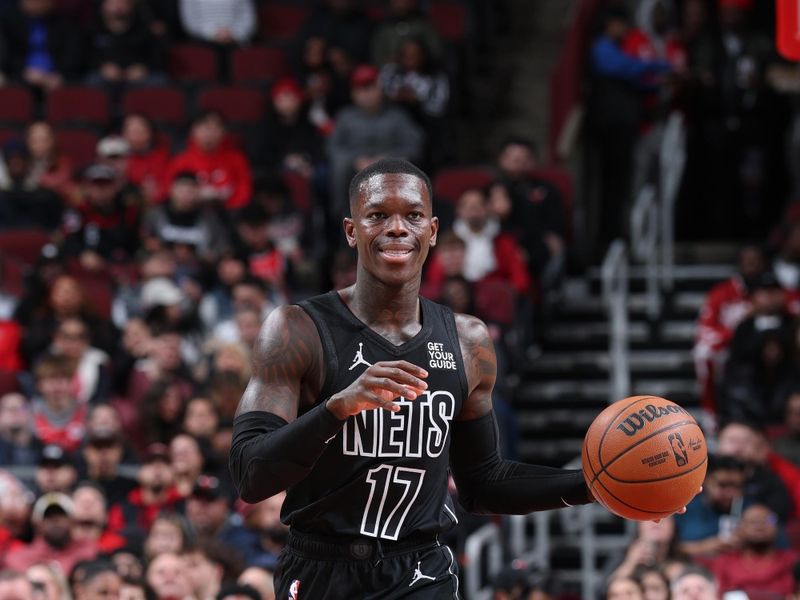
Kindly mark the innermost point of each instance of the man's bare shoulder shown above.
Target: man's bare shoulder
(480, 363)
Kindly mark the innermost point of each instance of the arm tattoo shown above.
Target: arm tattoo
(286, 352)
(481, 365)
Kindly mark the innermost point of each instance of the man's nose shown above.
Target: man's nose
(396, 225)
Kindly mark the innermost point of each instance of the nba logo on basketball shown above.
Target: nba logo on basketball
(678, 449)
(294, 590)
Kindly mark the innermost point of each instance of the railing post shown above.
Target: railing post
(615, 297)
(487, 536)
(672, 158)
(644, 243)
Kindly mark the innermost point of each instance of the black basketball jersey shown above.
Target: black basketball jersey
(384, 475)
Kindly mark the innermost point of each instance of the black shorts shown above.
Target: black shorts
(314, 568)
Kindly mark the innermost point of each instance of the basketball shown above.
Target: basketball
(644, 458)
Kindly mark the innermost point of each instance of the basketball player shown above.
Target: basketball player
(360, 401)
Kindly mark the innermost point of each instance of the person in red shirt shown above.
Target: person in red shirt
(53, 542)
(148, 160)
(156, 491)
(758, 566)
(223, 170)
(90, 519)
(58, 417)
(726, 305)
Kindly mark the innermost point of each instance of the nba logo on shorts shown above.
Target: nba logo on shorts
(294, 590)
(678, 449)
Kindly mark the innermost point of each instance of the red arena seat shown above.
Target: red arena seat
(193, 63)
(236, 104)
(257, 64)
(162, 104)
(450, 20)
(281, 22)
(450, 183)
(23, 246)
(16, 105)
(71, 105)
(79, 144)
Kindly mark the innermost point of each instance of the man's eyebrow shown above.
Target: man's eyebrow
(412, 204)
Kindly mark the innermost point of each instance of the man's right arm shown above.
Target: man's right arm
(272, 449)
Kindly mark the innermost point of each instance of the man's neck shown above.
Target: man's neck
(375, 303)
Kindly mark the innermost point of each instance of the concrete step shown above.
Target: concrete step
(555, 363)
(569, 392)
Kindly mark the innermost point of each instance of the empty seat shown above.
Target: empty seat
(300, 190)
(193, 63)
(257, 64)
(450, 20)
(495, 301)
(281, 22)
(79, 144)
(236, 104)
(23, 246)
(8, 134)
(16, 105)
(450, 183)
(78, 104)
(162, 104)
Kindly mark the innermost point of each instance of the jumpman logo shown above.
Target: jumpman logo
(418, 575)
(359, 358)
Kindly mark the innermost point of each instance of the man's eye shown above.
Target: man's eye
(376, 215)
(415, 216)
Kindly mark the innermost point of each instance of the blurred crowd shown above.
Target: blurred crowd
(715, 63)
(134, 281)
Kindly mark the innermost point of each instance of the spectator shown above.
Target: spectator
(103, 454)
(654, 582)
(156, 493)
(530, 208)
(238, 592)
(264, 519)
(416, 82)
(612, 121)
(134, 346)
(770, 480)
(726, 305)
(759, 565)
(48, 581)
(759, 369)
(52, 519)
(187, 462)
(148, 161)
(345, 28)
(201, 419)
(709, 524)
(405, 20)
(208, 511)
(654, 544)
(50, 168)
(788, 444)
(253, 245)
(168, 577)
(55, 471)
(124, 50)
(184, 224)
(490, 253)
(9, 300)
(366, 131)
(624, 588)
(104, 419)
(102, 230)
(162, 411)
(694, 583)
(169, 533)
(260, 580)
(42, 49)
(447, 262)
(92, 381)
(223, 171)
(288, 138)
(58, 417)
(15, 586)
(787, 263)
(210, 564)
(18, 446)
(24, 204)
(100, 582)
(91, 518)
(222, 23)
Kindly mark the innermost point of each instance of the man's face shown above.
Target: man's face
(367, 97)
(742, 443)
(156, 475)
(168, 578)
(516, 160)
(723, 487)
(103, 457)
(473, 210)
(57, 392)
(105, 586)
(392, 227)
(89, 514)
(758, 526)
(694, 587)
(14, 415)
(624, 588)
(16, 589)
(184, 195)
(101, 192)
(55, 478)
(751, 262)
(72, 339)
(55, 529)
(200, 419)
(205, 514)
(209, 133)
(205, 576)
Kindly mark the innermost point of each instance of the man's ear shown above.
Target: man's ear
(349, 231)
(434, 230)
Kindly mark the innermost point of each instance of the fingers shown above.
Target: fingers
(388, 384)
(379, 402)
(400, 372)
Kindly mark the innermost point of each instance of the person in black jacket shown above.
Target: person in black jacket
(38, 47)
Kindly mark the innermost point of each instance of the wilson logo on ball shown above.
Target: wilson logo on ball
(637, 420)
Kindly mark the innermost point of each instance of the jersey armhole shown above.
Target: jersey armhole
(452, 333)
(328, 349)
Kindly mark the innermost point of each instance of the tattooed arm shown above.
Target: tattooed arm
(486, 482)
(272, 448)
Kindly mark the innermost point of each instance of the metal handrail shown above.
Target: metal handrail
(477, 580)
(615, 297)
(644, 243)
(672, 159)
